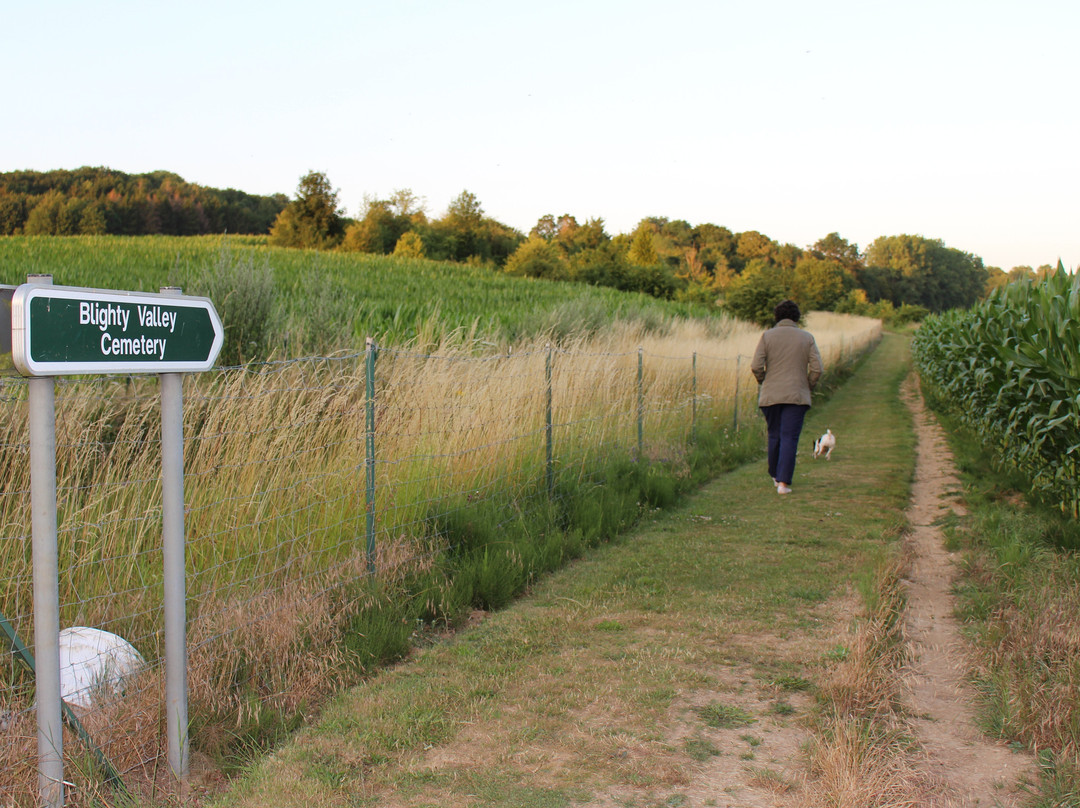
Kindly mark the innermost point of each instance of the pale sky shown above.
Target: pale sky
(950, 120)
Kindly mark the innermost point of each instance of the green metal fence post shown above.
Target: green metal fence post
(550, 469)
(693, 401)
(640, 404)
(735, 418)
(369, 455)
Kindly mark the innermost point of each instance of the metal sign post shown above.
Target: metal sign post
(46, 588)
(56, 331)
(173, 558)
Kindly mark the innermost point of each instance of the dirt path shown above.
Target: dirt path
(959, 765)
(973, 770)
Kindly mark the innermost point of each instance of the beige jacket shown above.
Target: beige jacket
(786, 364)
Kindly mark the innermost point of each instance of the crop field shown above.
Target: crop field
(1009, 368)
(333, 301)
(508, 426)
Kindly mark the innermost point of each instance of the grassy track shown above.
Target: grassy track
(686, 650)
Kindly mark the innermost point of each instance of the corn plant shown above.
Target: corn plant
(1010, 369)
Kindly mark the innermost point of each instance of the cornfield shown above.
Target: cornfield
(326, 302)
(1009, 368)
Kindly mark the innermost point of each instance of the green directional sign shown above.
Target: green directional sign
(62, 330)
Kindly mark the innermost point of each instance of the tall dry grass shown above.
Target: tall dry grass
(275, 489)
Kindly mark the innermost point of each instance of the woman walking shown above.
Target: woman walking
(787, 365)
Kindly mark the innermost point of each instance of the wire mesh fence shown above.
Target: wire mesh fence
(318, 490)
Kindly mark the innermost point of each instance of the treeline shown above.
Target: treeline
(897, 278)
(98, 201)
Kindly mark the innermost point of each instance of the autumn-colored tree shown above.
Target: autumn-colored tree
(642, 250)
(995, 278)
(313, 220)
(702, 284)
(537, 258)
(378, 229)
(546, 228)
(568, 234)
(752, 244)
(410, 245)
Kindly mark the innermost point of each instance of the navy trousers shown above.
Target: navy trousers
(784, 422)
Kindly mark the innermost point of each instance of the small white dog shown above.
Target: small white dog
(825, 444)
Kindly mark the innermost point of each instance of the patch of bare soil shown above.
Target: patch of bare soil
(755, 760)
(975, 770)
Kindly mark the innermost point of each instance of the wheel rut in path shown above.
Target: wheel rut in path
(973, 770)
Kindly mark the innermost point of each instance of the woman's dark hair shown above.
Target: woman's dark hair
(787, 310)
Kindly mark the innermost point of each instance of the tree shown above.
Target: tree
(466, 234)
(537, 258)
(571, 236)
(753, 295)
(130, 204)
(464, 211)
(835, 248)
(379, 228)
(461, 225)
(313, 220)
(546, 228)
(12, 213)
(404, 203)
(642, 250)
(786, 256)
(92, 221)
(44, 217)
(410, 245)
(924, 272)
(588, 236)
(702, 284)
(995, 278)
(71, 212)
(752, 244)
(819, 284)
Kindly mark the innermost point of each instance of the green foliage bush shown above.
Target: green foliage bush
(243, 291)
